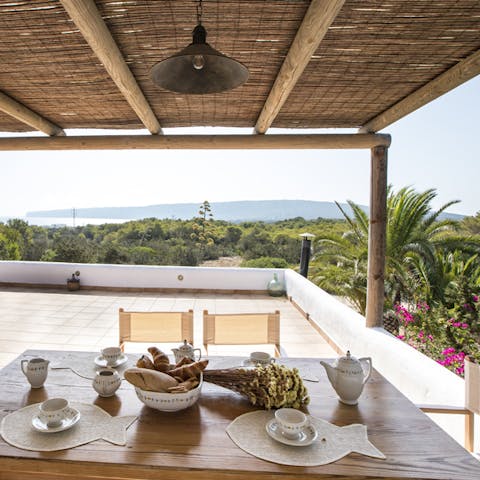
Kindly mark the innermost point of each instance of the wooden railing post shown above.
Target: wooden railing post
(377, 237)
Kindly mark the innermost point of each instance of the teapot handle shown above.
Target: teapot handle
(199, 353)
(368, 361)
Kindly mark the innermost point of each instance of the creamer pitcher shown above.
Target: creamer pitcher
(36, 371)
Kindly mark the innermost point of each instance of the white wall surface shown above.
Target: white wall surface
(135, 276)
(418, 377)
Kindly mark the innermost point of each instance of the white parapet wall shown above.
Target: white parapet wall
(418, 377)
(138, 276)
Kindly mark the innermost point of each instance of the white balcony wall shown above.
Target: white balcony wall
(136, 276)
(415, 375)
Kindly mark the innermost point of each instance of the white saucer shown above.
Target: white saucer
(306, 437)
(72, 418)
(101, 362)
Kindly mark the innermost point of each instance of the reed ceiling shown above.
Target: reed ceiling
(373, 55)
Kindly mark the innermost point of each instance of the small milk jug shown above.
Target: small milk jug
(36, 371)
(106, 382)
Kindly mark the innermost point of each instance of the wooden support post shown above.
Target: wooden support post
(377, 237)
(469, 431)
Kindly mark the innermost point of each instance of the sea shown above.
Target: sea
(65, 221)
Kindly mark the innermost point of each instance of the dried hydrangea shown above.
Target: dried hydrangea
(271, 386)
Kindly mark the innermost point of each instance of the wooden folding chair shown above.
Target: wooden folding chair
(241, 329)
(161, 327)
(472, 402)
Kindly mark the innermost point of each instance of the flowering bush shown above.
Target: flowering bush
(445, 335)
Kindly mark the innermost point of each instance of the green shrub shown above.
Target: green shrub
(265, 262)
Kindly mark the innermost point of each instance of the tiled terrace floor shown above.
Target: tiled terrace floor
(88, 320)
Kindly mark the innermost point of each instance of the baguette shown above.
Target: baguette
(185, 386)
(150, 380)
(187, 371)
(183, 361)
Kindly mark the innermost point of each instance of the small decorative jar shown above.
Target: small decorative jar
(106, 382)
(275, 287)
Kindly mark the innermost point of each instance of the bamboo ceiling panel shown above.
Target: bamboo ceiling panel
(48, 66)
(374, 54)
(256, 33)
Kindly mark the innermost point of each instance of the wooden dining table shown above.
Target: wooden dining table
(193, 443)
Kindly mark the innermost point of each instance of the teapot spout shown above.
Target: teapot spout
(331, 372)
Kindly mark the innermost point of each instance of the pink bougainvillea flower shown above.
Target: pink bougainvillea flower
(448, 351)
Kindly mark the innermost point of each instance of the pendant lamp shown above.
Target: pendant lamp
(199, 68)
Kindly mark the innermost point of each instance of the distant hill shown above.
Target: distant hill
(243, 211)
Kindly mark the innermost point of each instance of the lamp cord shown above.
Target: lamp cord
(199, 12)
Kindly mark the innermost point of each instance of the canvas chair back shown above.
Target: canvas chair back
(241, 329)
(161, 327)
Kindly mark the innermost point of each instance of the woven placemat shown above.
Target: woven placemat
(333, 443)
(94, 424)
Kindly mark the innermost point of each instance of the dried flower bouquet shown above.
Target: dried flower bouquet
(271, 386)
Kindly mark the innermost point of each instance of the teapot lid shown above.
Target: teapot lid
(185, 346)
(348, 360)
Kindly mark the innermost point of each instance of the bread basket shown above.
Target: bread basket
(169, 402)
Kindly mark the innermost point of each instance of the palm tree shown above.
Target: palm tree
(414, 236)
(447, 274)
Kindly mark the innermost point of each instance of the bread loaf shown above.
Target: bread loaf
(160, 360)
(150, 380)
(187, 371)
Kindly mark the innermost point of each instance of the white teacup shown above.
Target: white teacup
(111, 355)
(261, 358)
(53, 411)
(291, 421)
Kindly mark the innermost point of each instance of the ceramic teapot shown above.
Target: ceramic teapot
(186, 350)
(106, 382)
(348, 376)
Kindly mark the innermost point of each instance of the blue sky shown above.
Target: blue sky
(434, 147)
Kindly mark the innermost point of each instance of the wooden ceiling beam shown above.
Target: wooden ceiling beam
(199, 142)
(25, 115)
(315, 24)
(460, 73)
(88, 20)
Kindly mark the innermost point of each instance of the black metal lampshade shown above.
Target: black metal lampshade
(199, 69)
